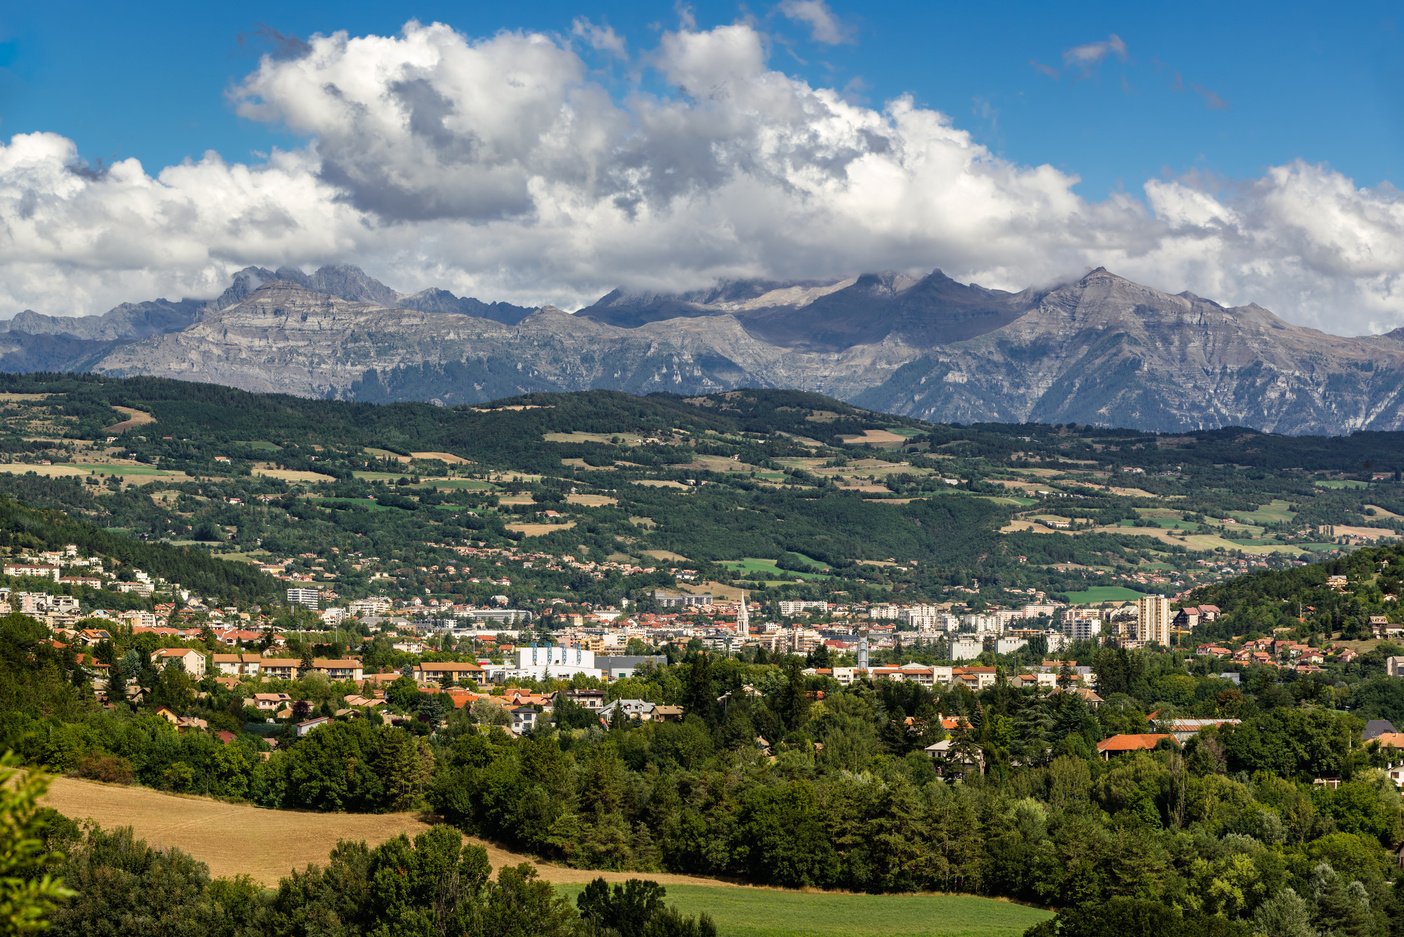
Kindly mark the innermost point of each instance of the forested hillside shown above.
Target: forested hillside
(773, 491)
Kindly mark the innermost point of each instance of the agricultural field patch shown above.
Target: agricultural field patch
(448, 458)
(607, 439)
(878, 438)
(772, 912)
(134, 418)
(539, 530)
(1276, 511)
(292, 475)
(591, 501)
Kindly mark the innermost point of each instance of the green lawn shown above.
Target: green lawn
(259, 445)
(763, 912)
(1340, 483)
(1103, 594)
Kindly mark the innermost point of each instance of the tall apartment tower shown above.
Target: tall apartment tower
(743, 618)
(1153, 620)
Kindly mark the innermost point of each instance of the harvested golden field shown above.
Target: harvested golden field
(446, 457)
(582, 464)
(1364, 533)
(45, 471)
(667, 555)
(237, 839)
(591, 501)
(134, 418)
(874, 437)
(291, 475)
(516, 499)
(539, 530)
(661, 483)
(232, 839)
(625, 439)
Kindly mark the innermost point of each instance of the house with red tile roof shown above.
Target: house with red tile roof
(1124, 744)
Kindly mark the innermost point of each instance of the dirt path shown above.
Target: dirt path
(267, 844)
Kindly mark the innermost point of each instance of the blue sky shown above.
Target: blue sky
(548, 152)
(1293, 83)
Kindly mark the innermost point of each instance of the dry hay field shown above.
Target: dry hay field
(132, 473)
(539, 530)
(661, 483)
(448, 458)
(515, 499)
(582, 464)
(44, 471)
(666, 555)
(591, 501)
(867, 488)
(290, 475)
(134, 418)
(874, 437)
(238, 839)
(1364, 533)
(625, 439)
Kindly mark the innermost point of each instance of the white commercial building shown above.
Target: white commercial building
(555, 662)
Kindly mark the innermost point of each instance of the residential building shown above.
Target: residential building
(681, 599)
(190, 659)
(343, 669)
(430, 673)
(307, 598)
(1124, 744)
(1153, 620)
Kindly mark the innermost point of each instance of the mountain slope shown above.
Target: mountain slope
(1108, 351)
(1099, 350)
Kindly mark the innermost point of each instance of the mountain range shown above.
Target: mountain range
(1098, 350)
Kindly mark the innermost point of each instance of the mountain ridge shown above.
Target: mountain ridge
(1101, 349)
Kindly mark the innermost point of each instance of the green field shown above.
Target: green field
(369, 504)
(765, 912)
(1103, 594)
(1166, 523)
(109, 468)
(753, 565)
(457, 484)
(1274, 512)
(1338, 484)
(259, 445)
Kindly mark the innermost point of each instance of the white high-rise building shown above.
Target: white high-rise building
(307, 598)
(1153, 620)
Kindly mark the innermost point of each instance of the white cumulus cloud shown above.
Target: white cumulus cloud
(507, 168)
